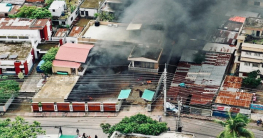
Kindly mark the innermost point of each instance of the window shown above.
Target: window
(72, 41)
(254, 65)
(248, 53)
(12, 37)
(3, 37)
(247, 64)
(77, 12)
(257, 3)
(63, 23)
(6, 14)
(23, 37)
(71, 18)
(257, 54)
(53, 10)
(10, 69)
(82, 12)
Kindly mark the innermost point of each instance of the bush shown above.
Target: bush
(136, 124)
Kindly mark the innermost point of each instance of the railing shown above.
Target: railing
(142, 69)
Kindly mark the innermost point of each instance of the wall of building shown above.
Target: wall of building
(71, 40)
(72, 17)
(31, 34)
(91, 12)
(64, 69)
(57, 12)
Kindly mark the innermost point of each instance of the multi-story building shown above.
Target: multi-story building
(249, 50)
(25, 30)
(89, 7)
(64, 13)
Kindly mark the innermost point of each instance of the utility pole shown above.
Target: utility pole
(164, 89)
(179, 125)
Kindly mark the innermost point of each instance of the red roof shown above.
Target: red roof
(241, 99)
(22, 24)
(73, 52)
(68, 64)
(201, 99)
(238, 19)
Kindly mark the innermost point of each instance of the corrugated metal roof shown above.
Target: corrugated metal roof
(241, 99)
(22, 24)
(238, 19)
(73, 52)
(67, 64)
(75, 31)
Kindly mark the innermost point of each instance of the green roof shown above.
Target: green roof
(68, 136)
(148, 95)
(124, 94)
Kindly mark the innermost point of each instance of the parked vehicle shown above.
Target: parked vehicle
(38, 66)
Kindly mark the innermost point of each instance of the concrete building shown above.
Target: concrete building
(16, 57)
(72, 59)
(25, 30)
(60, 35)
(249, 51)
(145, 58)
(8, 9)
(89, 7)
(64, 13)
(15, 2)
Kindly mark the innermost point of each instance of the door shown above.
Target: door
(87, 13)
(258, 33)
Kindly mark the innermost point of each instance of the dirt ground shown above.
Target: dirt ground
(18, 106)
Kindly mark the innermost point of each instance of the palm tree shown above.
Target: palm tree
(235, 127)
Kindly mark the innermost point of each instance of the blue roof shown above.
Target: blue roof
(148, 95)
(124, 94)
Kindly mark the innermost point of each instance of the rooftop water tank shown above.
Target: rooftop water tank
(97, 23)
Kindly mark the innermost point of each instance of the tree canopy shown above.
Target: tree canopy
(32, 12)
(46, 67)
(105, 16)
(136, 124)
(235, 127)
(19, 128)
(251, 80)
(7, 89)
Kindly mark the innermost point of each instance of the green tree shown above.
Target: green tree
(251, 80)
(32, 12)
(7, 89)
(199, 57)
(105, 16)
(48, 58)
(48, 3)
(235, 127)
(136, 124)
(19, 128)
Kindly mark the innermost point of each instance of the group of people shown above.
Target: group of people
(84, 135)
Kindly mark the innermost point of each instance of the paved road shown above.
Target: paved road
(90, 125)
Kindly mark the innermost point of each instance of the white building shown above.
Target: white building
(63, 14)
(89, 7)
(57, 8)
(25, 30)
(249, 50)
(16, 57)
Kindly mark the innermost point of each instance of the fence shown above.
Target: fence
(7, 104)
(76, 107)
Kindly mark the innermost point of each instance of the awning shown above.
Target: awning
(148, 95)
(67, 64)
(124, 94)
(134, 27)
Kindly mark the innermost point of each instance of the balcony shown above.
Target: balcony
(140, 69)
